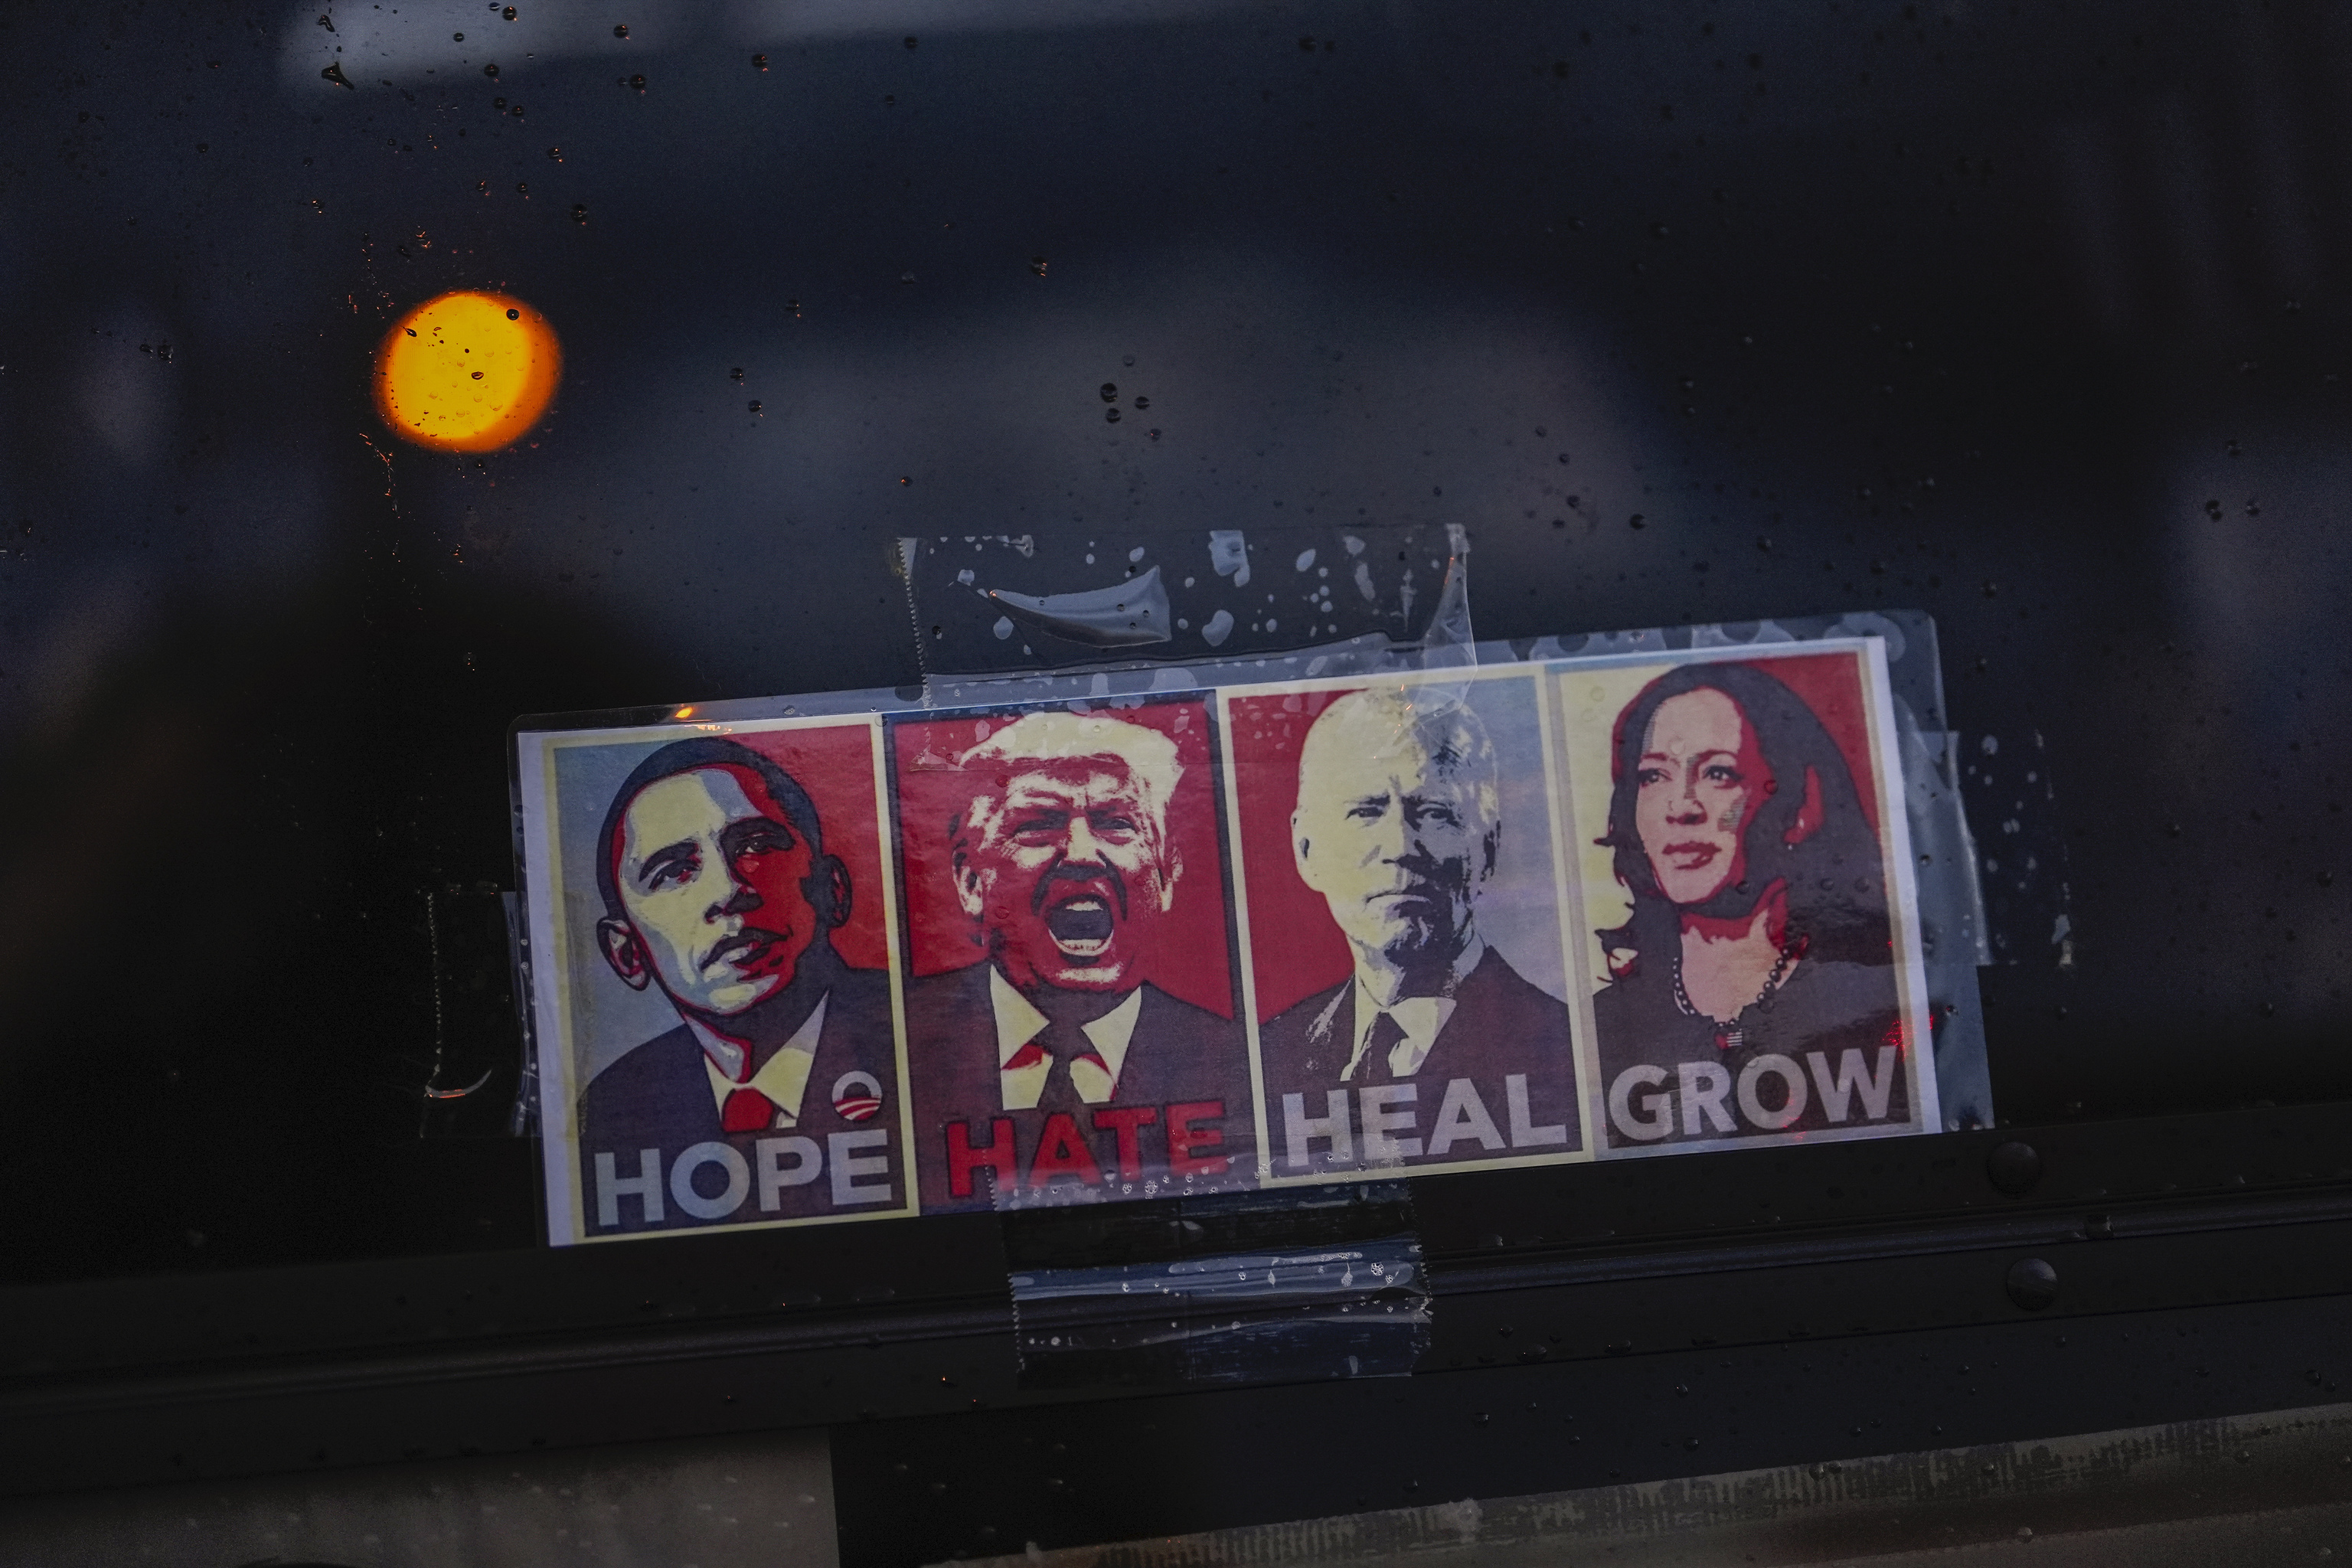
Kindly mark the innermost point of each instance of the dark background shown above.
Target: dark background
(2031, 317)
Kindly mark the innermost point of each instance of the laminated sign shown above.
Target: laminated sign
(865, 957)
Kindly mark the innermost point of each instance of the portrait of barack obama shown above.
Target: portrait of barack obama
(717, 889)
(1053, 1067)
(1433, 1049)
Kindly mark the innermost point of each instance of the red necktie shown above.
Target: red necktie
(1062, 1046)
(747, 1111)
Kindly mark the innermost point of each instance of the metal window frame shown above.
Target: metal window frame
(1560, 1283)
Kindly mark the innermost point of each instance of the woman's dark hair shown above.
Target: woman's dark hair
(1837, 897)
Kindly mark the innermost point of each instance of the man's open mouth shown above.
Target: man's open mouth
(1081, 926)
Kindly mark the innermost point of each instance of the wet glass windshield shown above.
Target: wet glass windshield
(2029, 320)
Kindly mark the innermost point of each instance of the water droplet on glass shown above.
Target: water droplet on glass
(509, 13)
(755, 405)
(334, 73)
(1128, 362)
(1142, 403)
(1037, 264)
(1111, 415)
(491, 70)
(578, 212)
(620, 29)
(910, 40)
(1638, 521)
(1109, 392)
(1002, 628)
(759, 62)
(458, 37)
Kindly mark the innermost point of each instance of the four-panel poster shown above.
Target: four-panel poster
(819, 969)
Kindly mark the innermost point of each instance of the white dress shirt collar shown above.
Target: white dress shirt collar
(1421, 1017)
(784, 1078)
(1094, 1076)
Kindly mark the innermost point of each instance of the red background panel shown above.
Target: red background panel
(1191, 958)
(1831, 685)
(1297, 951)
(837, 767)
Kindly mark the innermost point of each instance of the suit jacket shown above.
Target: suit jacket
(1501, 1025)
(659, 1097)
(1179, 1054)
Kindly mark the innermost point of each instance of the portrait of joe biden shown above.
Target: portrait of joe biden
(1398, 825)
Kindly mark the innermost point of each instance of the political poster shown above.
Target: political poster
(1750, 968)
(901, 958)
(717, 1003)
(1074, 1031)
(1401, 872)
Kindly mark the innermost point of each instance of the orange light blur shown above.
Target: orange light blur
(468, 371)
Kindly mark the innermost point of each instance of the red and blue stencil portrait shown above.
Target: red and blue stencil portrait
(730, 1003)
(1073, 1032)
(1747, 898)
(1403, 886)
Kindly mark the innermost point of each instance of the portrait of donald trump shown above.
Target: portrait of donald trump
(1063, 887)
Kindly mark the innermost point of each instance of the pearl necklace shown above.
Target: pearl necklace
(1731, 1036)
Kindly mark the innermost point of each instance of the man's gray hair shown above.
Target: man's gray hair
(1053, 738)
(1380, 720)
